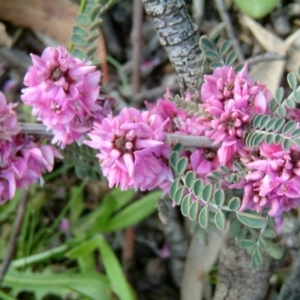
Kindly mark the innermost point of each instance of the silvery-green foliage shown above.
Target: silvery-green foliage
(209, 203)
(217, 54)
(86, 29)
(278, 127)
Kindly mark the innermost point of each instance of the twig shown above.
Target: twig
(186, 140)
(225, 18)
(136, 42)
(268, 56)
(14, 236)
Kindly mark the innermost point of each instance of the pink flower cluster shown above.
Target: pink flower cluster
(22, 160)
(64, 94)
(231, 100)
(132, 151)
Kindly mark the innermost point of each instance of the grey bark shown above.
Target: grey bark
(236, 277)
(180, 38)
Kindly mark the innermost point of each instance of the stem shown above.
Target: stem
(186, 140)
(14, 236)
(81, 9)
(39, 257)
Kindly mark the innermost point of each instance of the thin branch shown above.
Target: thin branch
(136, 42)
(14, 236)
(226, 19)
(268, 56)
(185, 140)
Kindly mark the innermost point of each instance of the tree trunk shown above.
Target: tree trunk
(180, 38)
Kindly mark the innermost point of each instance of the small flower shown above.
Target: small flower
(64, 94)
(132, 151)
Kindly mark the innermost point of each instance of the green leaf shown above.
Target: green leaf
(114, 272)
(95, 12)
(93, 37)
(231, 57)
(273, 105)
(197, 188)
(256, 120)
(215, 64)
(270, 233)
(287, 144)
(82, 19)
(262, 243)
(194, 209)
(271, 221)
(297, 141)
(185, 205)
(244, 243)
(225, 170)
(225, 47)
(264, 121)
(278, 124)
(206, 192)
(277, 139)
(179, 195)
(211, 54)
(173, 188)
(290, 103)
(256, 9)
(133, 213)
(96, 24)
(295, 133)
(269, 138)
(5, 296)
(292, 81)
(79, 54)
(258, 256)
(251, 220)
(255, 264)
(281, 111)
(79, 30)
(296, 96)
(89, 284)
(174, 158)
(178, 147)
(181, 165)
(234, 203)
(235, 228)
(206, 44)
(91, 51)
(83, 248)
(289, 126)
(78, 40)
(216, 32)
(270, 124)
(219, 197)
(279, 94)
(204, 217)
(274, 250)
(220, 220)
(189, 179)
(258, 139)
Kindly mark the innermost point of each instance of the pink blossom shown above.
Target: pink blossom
(64, 94)
(132, 151)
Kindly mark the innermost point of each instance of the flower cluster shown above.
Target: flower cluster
(231, 100)
(22, 160)
(132, 151)
(64, 94)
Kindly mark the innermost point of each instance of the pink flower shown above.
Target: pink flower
(273, 180)
(64, 94)
(132, 151)
(8, 119)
